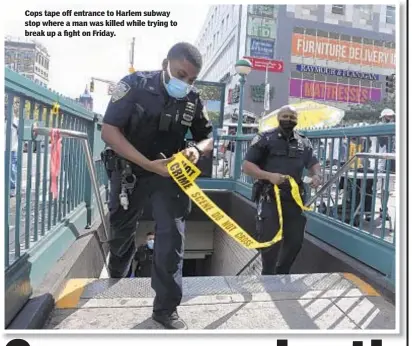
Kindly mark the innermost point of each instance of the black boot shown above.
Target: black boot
(170, 321)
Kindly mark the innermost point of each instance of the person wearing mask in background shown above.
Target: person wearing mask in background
(381, 144)
(144, 257)
(272, 156)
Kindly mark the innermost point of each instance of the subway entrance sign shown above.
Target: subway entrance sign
(260, 64)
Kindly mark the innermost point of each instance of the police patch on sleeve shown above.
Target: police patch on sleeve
(255, 140)
(120, 91)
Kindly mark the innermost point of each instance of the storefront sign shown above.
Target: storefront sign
(258, 92)
(261, 27)
(332, 92)
(342, 51)
(233, 95)
(262, 64)
(262, 48)
(337, 72)
(262, 10)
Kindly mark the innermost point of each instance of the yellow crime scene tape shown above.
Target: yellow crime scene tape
(184, 173)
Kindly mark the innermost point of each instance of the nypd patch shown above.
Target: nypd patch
(255, 140)
(120, 91)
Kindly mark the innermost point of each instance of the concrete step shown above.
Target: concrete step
(309, 301)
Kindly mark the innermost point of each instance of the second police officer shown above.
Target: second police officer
(272, 156)
(147, 118)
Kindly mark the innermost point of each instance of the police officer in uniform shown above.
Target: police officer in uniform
(272, 156)
(145, 124)
(144, 257)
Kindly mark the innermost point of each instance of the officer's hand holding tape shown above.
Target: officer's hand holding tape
(316, 181)
(276, 178)
(191, 154)
(160, 166)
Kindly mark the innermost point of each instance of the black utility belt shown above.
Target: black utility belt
(267, 192)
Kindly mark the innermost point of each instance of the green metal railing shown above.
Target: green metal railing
(32, 213)
(37, 228)
(81, 137)
(363, 197)
(374, 177)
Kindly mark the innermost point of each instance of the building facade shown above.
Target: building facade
(86, 99)
(30, 59)
(335, 54)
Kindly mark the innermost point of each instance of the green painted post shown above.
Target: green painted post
(243, 68)
(239, 132)
(37, 186)
(46, 175)
(91, 129)
(28, 183)
(17, 224)
(7, 169)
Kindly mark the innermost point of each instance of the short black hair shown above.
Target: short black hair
(149, 233)
(184, 50)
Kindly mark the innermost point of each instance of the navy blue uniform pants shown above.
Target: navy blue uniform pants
(279, 258)
(170, 207)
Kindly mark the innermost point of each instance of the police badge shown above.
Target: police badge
(188, 114)
(120, 91)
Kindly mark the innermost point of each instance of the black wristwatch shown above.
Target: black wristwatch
(198, 150)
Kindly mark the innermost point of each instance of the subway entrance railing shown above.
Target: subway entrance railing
(39, 230)
(339, 172)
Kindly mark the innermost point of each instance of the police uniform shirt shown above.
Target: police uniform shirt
(271, 151)
(153, 121)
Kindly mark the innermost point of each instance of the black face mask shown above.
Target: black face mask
(287, 125)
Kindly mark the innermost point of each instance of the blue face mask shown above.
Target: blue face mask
(150, 244)
(175, 88)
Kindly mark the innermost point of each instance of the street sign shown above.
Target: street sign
(261, 64)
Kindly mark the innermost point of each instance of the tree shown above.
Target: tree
(368, 112)
(209, 92)
(214, 117)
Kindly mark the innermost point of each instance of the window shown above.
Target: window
(366, 10)
(390, 14)
(338, 9)
(298, 30)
